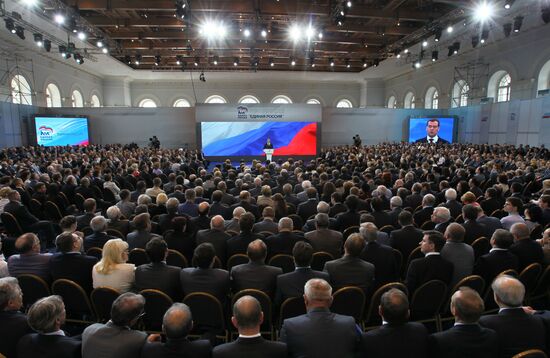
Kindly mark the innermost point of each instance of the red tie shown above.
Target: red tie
(431, 140)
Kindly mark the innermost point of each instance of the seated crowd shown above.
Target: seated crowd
(392, 224)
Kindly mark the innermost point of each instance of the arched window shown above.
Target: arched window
(313, 101)
(344, 103)
(544, 77)
(409, 101)
(182, 102)
(432, 98)
(504, 88)
(53, 96)
(147, 103)
(76, 99)
(281, 100)
(20, 90)
(215, 99)
(94, 101)
(392, 102)
(249, 100)
(461, 91)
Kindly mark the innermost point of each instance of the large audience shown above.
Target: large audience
(388, 227)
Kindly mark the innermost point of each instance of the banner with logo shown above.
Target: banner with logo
(59, 131)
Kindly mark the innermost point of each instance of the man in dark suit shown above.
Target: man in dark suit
(217, 208)
(490, 222)
(396, 337)
(322, 208)
(351, 270)
(29, 260)
(499, 258)
(424, 214)
(517, 331)
(467, 338)
(142, 233)
(99, 237)
(308, 207)
(204, 278)
(116, 221)
(396, 206)
(454, 206)
(430, 267)
(46, 316)
(350, 217)
(441, 217)
(319, 332)
(292, 284)
(284, 241)
(202, 221)
(324, 239)
(407, 238)
(247, 318)
(215, 236)
(491, 202)
(246, 203)
(70, 263)
(83, 220)
(176, 324)
(381, 217)
(432, 133)
(267, 224)
(13, 323)
(474, 230)
(414, 199)
(527, 251)
(157, 274)
(165, 220)
(381, 256)
(255, 274)
(238, 244)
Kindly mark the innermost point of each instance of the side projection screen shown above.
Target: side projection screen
(226, 139)
(60, 131)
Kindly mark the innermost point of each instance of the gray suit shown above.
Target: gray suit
(218, 239)
(326, 240)
(461, 255)
(350, 271)
(139, 239)
(108, 340)
(266, 225)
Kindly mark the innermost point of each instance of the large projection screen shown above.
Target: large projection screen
(442, 126)
(241, 131)
(61, 131)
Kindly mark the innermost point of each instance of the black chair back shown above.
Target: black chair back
(95, 252)
(319, 260)
(208, 313)
(291, 307)
(116, 233)
(529, 277)
(33, 288)
(427, 300)
(156, 305)
(235, 260)
(175, 258)
(11, 224)
(52, 212)
(35, 207)
(77, 305)
(349, 301)
(138, 257)
(350, 230)
(102, 299)
(285, 262)
(481, 247)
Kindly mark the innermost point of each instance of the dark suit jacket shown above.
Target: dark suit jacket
(517, 331)
(201, 222)
(406, 240)
(469, 340)
(14, 326)
(97, 239)
(490, 205)
(490, 265)
(431, 267)
(350, 271)
(255, 275)
(527, 252)
(218, 208)
(326, 240)
(212, 281)
(454, 207)
(474, 230)
(251, 348)
(218, 239)
(292, 284)
(266, 225)
(423, 215)
(492, 224)
(320, 333)
(337, 209)
(138, 239)
(307, 208)
(238, 244)
(165, 221)
(439, 140)
(382, 218)
(396, 340)
(75, 267)
(20, 212)
(177, 348)
(281, 243)
(383, 259)
(84, 220)
(347, 219)
(159, 276)
(41, 346)
(181, 242)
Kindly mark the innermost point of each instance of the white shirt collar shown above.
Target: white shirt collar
(497, 249)
(435, 138)
(432, 253)
(56, 333)
(252, 336)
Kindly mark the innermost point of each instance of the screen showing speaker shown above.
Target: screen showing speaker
(431, 129)
(59, 131)
(225, 139)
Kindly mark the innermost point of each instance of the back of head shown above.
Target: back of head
(450, 194)
(89, 205)
(247, 312)
(238, 211)
(9, 291)
(156, 250)
(27, 243)
(405, 218)
(179, 223)
(318, 292)
(323, 207)
(455, 232)
(352, 202)
(46, 314)
(172, 205)
(428, 200)
(285, 224)
(354, 245)
(65, 242)
(268, 212)
(204, 255)
(246, 222)
(126, 309)
(98, 224)
(311, 193)
(67, 222)
(256, 251)
(469, 212)
(508, 291)
(302, 253)
(394, 306)
(368, 231)
(142, 221)
(442, 214)
(111, 255)
(520, 231)
(503, 239)
(436, 238)
(466, 305)
(515, 202)
(322, 221)
(177, 321)
(217, 223)
(113, 213)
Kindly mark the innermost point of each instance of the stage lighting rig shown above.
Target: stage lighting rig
(518, 21)
(202, 77)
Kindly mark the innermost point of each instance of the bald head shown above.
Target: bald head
(238, 211)
(177, 321)
(466, 305)
(203, 208)
(354, 245)
(216, 223)
(520, 231)
(247, 314)
(455, 232)
(257, 251)
(508, 291)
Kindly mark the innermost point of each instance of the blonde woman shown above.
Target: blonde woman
(113, 271)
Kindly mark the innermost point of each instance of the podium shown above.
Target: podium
(268, 154)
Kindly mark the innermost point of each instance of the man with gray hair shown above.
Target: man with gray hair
(116, 338)
(441, 218)
(138, 238)
(165, 220)
(458, 253)
(396, 206)
(233, 224)
(99, 236)
(381, 256)
(466, 338)
(13, 323)
(455, 207)
(116, 221)
(283, 242)
(424, 214)
(320, 333)
(517, 330)
(248, 318)
(396, 337)
(527, 251)
(325, 239)
(322, 208)
(46, 316)
(268, 223)
(215, 236)
(176, 325)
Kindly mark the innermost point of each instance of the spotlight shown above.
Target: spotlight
(331, 62)
(435, 56)
(364, 60)
(417, 64)
(320, 35)
(263, 33)
(62, 50)
(128, 59)
(484, 35)
(10, 25)
(397, 53)
(99, 42)
(310, 32)
(138, 60)
(20, 32)
(292, 62)
(437, 35)
(82, 35)
(178, 60)
(213, 30)
(236, 62)
(215, 60)
(47, 45)
(295, 33)
(29, 2)
(38, 40)
(271, 63)
(348, 3)
(197, 61)
(202, 78)
(256, 62)
(78, 58)
(406, 51)
(456, 47)
(450, 29)
(348, 64)
(157, 60)
(518, 21)
(475, 41)
(59, 18)
(246, 33)
(376, 63)
(312, 61)
(508, 4)
(425, 43)
(105, 50)
(484, 11)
